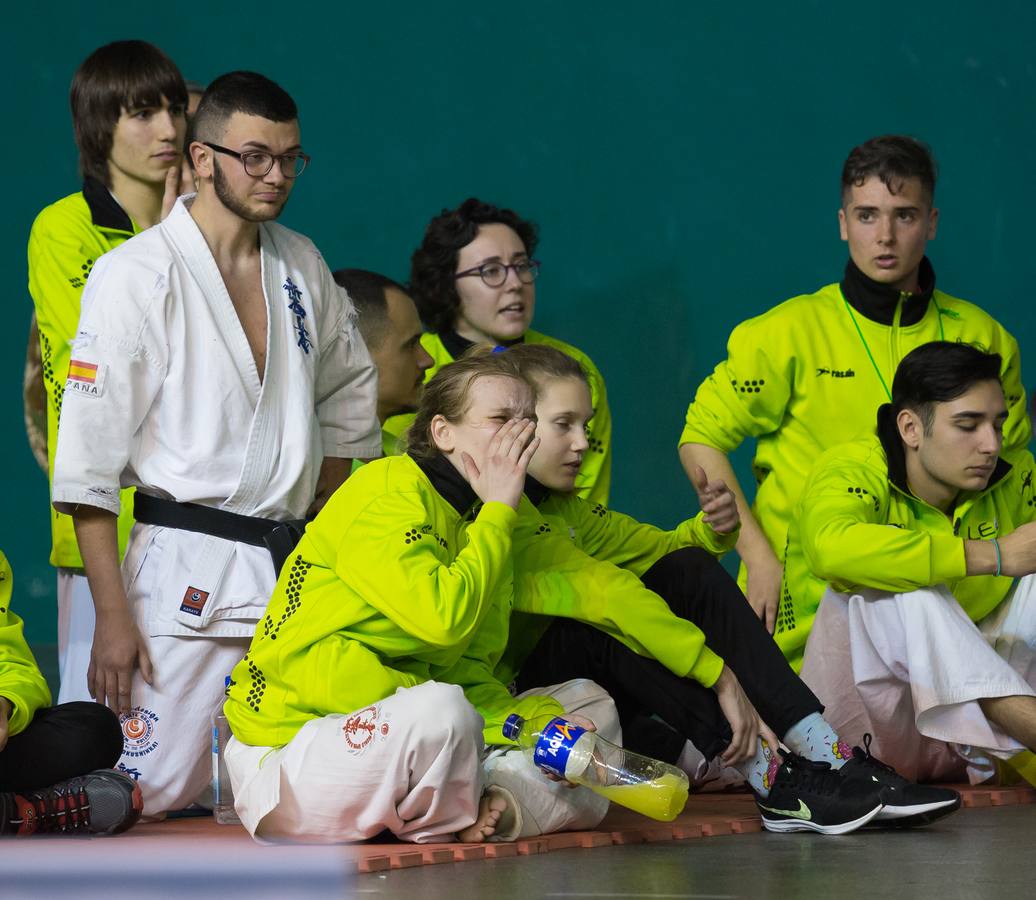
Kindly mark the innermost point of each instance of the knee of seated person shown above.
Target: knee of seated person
(445, 714)
(687, 565)
(584, 697)
(99, 731)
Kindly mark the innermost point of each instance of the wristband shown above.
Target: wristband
(996, 546)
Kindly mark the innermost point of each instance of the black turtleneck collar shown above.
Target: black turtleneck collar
(456, 345)
(451, 485)
(104, 211)
(892, 444)
(536, 491)
(878, 301)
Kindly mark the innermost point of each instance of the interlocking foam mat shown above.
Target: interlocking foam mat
(706, 815)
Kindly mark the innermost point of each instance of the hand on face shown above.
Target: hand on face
(500, 475)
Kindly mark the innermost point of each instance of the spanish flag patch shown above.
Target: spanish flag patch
(85, 378)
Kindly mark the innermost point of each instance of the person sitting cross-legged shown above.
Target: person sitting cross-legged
(910, 559)
(55, 761)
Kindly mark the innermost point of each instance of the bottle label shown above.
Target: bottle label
(555, 744)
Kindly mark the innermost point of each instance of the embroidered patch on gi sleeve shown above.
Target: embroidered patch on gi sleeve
(85, 378)
(193, 601)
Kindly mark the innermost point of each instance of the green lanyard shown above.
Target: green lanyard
(870, 356)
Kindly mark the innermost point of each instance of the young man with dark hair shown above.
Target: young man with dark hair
(218, 369)
(809, 373)
(128, 101)
(391, 329)
(904, 546)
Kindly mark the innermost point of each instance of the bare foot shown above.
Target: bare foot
(490, 808)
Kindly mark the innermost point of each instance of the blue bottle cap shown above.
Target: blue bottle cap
(512, 726)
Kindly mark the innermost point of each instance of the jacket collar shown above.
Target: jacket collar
(536, 491)
(878, 301)
(456, 345)
(104, 210)
(449, 483)
(895, 456)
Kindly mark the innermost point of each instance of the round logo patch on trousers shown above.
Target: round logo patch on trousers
(138, 732)
(361, 728)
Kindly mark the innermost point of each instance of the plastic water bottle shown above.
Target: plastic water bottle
(222, 792)
(648, 786)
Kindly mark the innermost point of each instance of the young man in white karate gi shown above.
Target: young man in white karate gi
(925, 536)
(218, 369)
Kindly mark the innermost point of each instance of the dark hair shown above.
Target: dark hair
(538, 362)
(893, 158)
(117, 76)
(367, 292)
(938, 372)
(448, 393)
(244, 92)
(434, 263)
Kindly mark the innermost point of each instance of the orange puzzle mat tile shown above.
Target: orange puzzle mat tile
(706, 815)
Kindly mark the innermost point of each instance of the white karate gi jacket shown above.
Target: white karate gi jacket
(164, 395)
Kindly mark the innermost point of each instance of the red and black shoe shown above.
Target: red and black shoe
(101, 802)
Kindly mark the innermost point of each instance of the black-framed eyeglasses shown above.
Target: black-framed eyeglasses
(258, 163)
(494, 274)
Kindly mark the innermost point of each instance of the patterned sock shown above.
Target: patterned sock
(760, 770)
(814, 739)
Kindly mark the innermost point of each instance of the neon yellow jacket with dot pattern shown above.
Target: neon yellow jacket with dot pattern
(858, 526)
(67, 238)
(799, 379)
(387, 588)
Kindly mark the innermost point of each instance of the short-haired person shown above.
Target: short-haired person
(55, 761)
(914, 548)
(340, 729)
(843, 788)
(810, 373)
(473, 279)
(391, 328)
(218, 369)
(128, 101)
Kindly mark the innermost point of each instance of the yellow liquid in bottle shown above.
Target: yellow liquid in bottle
(662, 799)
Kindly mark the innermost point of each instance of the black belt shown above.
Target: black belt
(279, 538)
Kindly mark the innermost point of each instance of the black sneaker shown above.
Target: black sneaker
(102, 802)
(906, 803)
(811, 796)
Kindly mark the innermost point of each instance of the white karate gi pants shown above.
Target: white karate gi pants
(910, 669)
(167, 736)
(75, 634)
(411, 764)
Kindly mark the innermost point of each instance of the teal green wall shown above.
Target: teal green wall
(681, 158)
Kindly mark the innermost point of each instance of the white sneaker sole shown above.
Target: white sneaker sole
(919, 814)
(787, 825)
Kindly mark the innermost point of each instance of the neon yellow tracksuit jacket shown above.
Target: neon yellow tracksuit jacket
(66, 240)
(20, 679)
(553, 577)
(388, 583)
(612, 539)
(799, 379)
(594, 480)
(858, 526)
